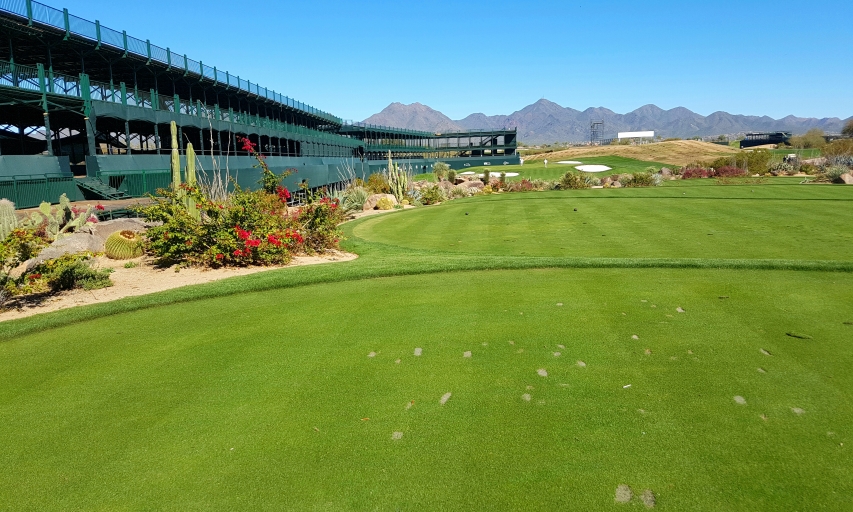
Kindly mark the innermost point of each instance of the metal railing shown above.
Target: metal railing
(35, 12)
(29, 190)
(36, 79)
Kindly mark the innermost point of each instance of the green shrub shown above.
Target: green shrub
(440, 169)
(640, 179)
(833, 173)
(781, 169)
(67, 272)
(432, 194)
(451, 175)
(354, 198)
(573, 181)
(378, 184)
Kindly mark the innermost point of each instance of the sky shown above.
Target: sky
(353, 58)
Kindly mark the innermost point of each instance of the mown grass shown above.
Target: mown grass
(258, 392)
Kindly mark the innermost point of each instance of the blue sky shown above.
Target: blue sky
(354, 58)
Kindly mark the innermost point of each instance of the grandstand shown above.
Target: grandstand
(85, 110)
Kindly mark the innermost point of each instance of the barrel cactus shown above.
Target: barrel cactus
(123, 245)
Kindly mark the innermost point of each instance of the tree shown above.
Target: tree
(813, 138)
(847, 131)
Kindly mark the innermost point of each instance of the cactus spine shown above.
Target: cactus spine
(189, 201)
(8, 220)
(398, 179)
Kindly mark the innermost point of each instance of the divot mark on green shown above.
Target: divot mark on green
(623, 494)
(740, 400)
(397, 436)
(648, 498)
(444, 398)
(542, 372)
(419, 351)
(798, 335)
(581, 364)
(797, 411)
(526, 397)
(765, 352)
(467, 354)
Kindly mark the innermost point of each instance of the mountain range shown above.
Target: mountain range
(546, 122)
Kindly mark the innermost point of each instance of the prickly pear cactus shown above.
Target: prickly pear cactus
(123, 245)
(8, 220)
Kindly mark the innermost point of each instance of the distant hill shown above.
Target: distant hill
(546, 121)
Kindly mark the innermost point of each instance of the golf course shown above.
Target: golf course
(525, 351)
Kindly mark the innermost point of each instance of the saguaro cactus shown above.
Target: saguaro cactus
(189, 200)
(176, 158)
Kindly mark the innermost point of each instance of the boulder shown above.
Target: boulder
(459, 180)
(666, 171)
(615, 184)
(370, 204)
(476, 184)
(446, 186)
(847, 178)
(88, 238)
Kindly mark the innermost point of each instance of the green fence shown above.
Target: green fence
(138, 183)
(30, 190)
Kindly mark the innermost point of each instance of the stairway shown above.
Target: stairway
(94, 188)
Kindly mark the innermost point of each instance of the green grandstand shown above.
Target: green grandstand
(85, 110)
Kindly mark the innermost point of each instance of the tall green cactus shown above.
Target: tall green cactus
(398, 179)
(189, 200)
(8, 220)
(176, 158)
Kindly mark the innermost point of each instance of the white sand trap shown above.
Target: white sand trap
(419, 351)
(542, 372)
(592, 168)
(444, 398)
(569, 162)
(466, 173)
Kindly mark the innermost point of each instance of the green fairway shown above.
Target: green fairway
(691, 339)
(537, 169)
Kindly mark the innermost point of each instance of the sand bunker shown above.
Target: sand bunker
(570, 162)
(592, 168)
(466, 173)
(493, 174)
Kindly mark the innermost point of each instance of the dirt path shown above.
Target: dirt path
(145, 278)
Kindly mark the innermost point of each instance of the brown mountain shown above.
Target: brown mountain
(545, 121)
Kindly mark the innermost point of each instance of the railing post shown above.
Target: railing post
(186, 66)
(30, 13)
(168, 58)
(148, 49)
(177, 105)
(124, 41)
(123, 92)
(67, 24)
(155, 100)
(98, 33)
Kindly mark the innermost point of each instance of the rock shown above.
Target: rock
(446, 186)
(370, 204)
(665, 171)
(88, 238)
(615, 184)
(473, 184)
(459, 180)
(847, 178)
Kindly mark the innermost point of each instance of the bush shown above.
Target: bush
(487, 176)
(378, 184)
(691, 173)
(68, 272)
(433, 194)
(451, 176)
(812, 139)
(833, 173)
(840, 147)
(640, 179)
(459, 192)
(319, 222)
(781, 169)
(729, 171)
(440, 169)
(354, 198)
(572, 181)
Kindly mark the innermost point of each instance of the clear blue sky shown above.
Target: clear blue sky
(353, 58)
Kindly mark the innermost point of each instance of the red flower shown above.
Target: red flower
(33, 277)
(99, 207)
(242, 234)
(238, 252)
(273, 240)
(283, 193)
(189, 243)
(220, 256)
(248, 145)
